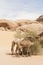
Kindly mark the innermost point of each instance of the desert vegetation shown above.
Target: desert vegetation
(35, 48)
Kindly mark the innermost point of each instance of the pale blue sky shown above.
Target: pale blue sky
(21, 9)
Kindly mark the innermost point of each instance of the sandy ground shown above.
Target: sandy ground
(7, 59)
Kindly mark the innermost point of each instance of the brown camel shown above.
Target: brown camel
(17, 43)
(20, 46)
(25, 44)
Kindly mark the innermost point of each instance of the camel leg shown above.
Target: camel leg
(12, 50)
(26, 52)
(29, 52)
(16, 50)
(22, 51)
(12, 47)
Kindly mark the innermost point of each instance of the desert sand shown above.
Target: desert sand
(6, 38)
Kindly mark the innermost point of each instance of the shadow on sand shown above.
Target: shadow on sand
(17, 56)
(14, 55)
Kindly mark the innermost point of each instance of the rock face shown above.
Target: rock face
(40, 19)
(34, 27)
(4, 25)
(7, 25)
(30, 25)
(12, 25)
(23, 25)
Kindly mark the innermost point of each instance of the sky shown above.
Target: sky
(20, 9)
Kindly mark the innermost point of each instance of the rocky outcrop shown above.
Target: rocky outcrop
(40, 19)
(34, 27)
(7, 25)
(13, 25)
(24, 25)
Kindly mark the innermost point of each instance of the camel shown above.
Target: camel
(21, 46)
(17, 43)
(26, 44)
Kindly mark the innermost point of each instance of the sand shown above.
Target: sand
(6, 38)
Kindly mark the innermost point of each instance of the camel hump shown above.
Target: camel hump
(16, 40)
